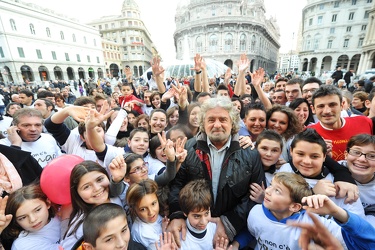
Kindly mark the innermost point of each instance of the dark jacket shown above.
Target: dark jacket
(240, 168)
(337, 75)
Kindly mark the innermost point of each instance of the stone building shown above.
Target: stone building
(38, 44)
(368, 48)
(131, 36)
(223, 30)
(333, 33)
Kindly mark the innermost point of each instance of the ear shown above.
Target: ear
(82, 137)
(87, 246)
(312, 109)
(368, 104)
(346, 155)
(295, 207)
(48, 203)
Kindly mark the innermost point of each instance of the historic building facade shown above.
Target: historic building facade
(368, 48)
(223, 30)
(37, 44)
(132, 38)
(333, 33)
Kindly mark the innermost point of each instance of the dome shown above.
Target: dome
(129, 4)
(181, 68)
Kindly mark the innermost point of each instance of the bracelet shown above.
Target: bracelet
(198, 72)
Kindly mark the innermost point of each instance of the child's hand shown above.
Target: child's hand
(4, 219)
(325, 187)
(164, 224)
(166, 243)
(222, 244)
(322, 205)
(117, 167)
(257, 192)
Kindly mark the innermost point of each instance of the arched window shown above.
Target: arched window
(13, 25)
(62, 35)
(198, 44)
(74, 38)
(32, 29)
(243, 42)
(48, 32)
(213, 43)
(253, 43)
(308, 43)
(316, 41)
(228, 42)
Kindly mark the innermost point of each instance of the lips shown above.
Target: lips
(99, 194)
(360, 166)
(36, 226)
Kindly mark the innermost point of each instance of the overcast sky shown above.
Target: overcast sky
(158, 16)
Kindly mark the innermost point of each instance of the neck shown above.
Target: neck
(336, 125)
(363, 179)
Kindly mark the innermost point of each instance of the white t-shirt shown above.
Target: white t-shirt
(5, 124)
(46, 238)
(147, 233)
(44, 149)
(194, 243)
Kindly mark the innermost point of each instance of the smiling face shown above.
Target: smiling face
(193, 118)
(218, 126)
(308, 158)
(148, 208)
(361, 168)
(93, 188)
(173, 119)
(158, 122)
(269, 152)
(255, 122)
(139, 143)
(156, 101)
(32, 215)
(138, 171)
(302, 112)
(124, 125)
(278, 122)
(328, 111)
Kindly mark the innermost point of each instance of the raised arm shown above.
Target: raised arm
(94, 139)
(257, 78)
(198, 73)
(243, 64)
(158, 72)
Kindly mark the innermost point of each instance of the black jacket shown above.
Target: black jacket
(240, 168)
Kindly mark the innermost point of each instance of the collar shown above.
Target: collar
(323, 173)
(33, 141)
(271, 169)
(343, 122)
(195, 232)
(271, 217)
(225, 147)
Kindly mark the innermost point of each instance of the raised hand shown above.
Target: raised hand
(166, 242)
(4, 219)
(95, 118)
(117, 168)
(243, 64)
(257, 192)
(13, 136)
(257, 77)
(227, 76)
(221, 243)
(129, 74)
(197, 63)
(157, 69)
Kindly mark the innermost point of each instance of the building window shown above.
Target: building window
(198, 44)
(95, 42)
(54, 55)
(354, 2)
(13, 25)
(243, 42)
(329, 45)
(334, 17)
(332, 31)
(310, 21)
(74, 38)
(336, 4)
(213, 10)
(78, 58)
(363, 28)
(48, 32)
(84, 40)
(129, 13)
(113, 25)
(62, 35)
(320, 19)
(360, 42)
(39, 54)
(106, 26)
(351, 15)
(228, 42)
(349, 28)
(1, 52)
(88, 59)
(67, 57)
(20, 52)
(97, 59)
(346, 43)
(316, 42)
(100, 27)
(369, 1)
(213, 43)
(366, 14)
(253, 43)
(321, 6)
(229, 9)
(32, 29)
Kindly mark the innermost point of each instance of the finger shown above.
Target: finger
(3, 204)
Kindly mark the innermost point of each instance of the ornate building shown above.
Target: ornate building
(131, 36)
(38, 44)
(333, 33)
(223, 30)
(368, 48)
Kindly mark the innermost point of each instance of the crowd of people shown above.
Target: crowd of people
(233, 162)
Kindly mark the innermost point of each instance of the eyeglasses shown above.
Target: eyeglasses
(356, 153)
(138, 169)
(305, 91)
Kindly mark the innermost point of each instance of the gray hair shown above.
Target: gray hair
(221, 102)
(29, 112)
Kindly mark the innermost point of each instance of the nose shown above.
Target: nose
(32, 218)
(96, 186)
(327, 109)
(306, 160)
(268, 152)
(256, 123)
(120, 242)
(217, 124)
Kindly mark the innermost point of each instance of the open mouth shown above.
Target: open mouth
(99, 194)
